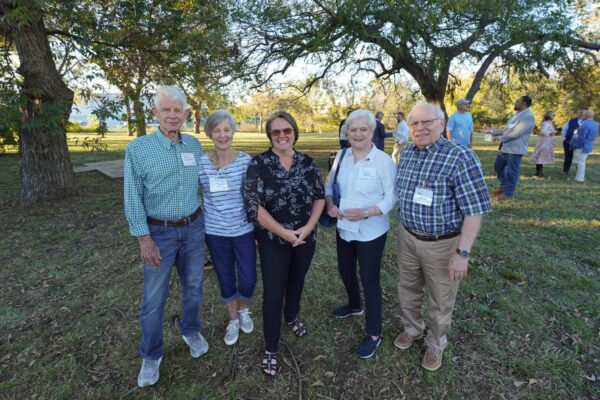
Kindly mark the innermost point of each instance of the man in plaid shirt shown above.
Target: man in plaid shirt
(442, 196)
(162, 206)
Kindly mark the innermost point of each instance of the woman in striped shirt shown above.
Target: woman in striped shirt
(229, 235)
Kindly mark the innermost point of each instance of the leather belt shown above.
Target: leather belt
(433, 238)
(177, 222)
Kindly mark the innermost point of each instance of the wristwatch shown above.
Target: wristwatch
(463, 253)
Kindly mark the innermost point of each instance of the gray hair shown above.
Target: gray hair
(435, 108)
(172, 91)
(548, 115)
(216, 118)
(357, 114)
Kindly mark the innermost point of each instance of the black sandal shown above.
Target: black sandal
(298, 328)
(269, 363)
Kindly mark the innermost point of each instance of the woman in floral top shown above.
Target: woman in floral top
(284, 195)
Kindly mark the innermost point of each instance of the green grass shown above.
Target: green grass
(525, 326)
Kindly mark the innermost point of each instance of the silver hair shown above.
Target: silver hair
(216, 118)
(435, 108)
(357, 114)
(172, 91)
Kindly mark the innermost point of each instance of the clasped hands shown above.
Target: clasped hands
(351, 214)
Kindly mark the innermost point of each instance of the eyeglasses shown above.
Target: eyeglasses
(286, 131)
(426, 123)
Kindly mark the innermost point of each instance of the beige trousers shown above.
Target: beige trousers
(424, 265)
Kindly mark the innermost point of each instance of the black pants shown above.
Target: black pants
(368, 254)
(568, 156)
(283, 271)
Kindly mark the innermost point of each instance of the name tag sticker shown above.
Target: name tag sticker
(188, 159)
(423, 196)
(487, 137)
(367, 173)
(218, 184)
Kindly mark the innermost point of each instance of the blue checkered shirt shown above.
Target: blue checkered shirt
(453, 173)
(157, 183)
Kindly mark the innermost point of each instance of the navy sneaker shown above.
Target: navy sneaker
(367, 347)
(346, 311)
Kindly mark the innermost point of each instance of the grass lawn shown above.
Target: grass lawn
(526, 323)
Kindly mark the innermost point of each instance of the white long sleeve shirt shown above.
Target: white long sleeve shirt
(368, 182)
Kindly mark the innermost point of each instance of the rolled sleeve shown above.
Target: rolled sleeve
(135, 212)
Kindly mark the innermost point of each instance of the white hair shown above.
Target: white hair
(435, 108)
(172, 91)
(357, 114)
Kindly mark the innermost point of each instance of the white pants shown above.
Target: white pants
(579, 159)
(398, 148)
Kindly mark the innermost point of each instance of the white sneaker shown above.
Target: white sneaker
(197, 344)
(246, 321)
(232, 333)
(149, 372)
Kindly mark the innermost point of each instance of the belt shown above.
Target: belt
(177, 222)
(433, 238)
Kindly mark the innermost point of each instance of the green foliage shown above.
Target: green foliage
(425, 39)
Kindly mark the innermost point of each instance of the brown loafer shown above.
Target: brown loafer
(404, 341)
(503, 197)
(497, 191)
(432, 360)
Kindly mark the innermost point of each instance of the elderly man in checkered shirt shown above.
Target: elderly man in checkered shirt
(162, 206)
(442, 197)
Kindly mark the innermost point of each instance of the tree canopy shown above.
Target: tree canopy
(427, 39)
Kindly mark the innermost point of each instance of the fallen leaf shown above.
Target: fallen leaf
(519, 383)
(533, 381)
(317, 383)
(319, 357)
(329, 374)
(591, 378)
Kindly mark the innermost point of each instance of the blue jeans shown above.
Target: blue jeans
(507, 169)
(226, 253)
(182, 246)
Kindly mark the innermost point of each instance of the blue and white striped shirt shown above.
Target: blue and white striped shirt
(453, 173)
(225, 214)
(157, 182)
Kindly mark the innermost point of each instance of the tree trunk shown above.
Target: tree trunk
(46, 169)
(140, 116)
(129, 119)
(197, 119)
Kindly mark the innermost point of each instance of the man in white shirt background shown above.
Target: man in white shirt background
(400, 137)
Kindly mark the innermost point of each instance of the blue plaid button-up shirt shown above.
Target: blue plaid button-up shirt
(157, 183)
(453, 173)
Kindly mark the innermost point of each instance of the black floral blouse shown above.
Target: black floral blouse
(287, 195)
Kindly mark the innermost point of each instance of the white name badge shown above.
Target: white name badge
(487, 137)
(188, 159)
(218, 184)
(423, 196)
(367, 173)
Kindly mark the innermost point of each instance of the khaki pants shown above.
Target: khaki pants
(579, 160)
(424, 265)
(398, 149)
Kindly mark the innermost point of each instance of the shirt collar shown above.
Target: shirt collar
(165, 141)
(441, 142)
(369, 155)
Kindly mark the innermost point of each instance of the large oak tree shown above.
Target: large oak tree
(426, 39)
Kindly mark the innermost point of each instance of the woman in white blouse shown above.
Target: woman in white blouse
(366, 182)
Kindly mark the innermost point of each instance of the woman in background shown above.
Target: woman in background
(544, 148)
